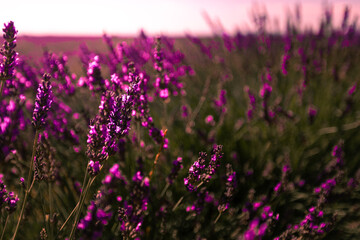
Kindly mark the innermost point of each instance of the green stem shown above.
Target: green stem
(218, 217)
(178, 203)
(77, 208)
(70, 215)
(182, 198)
(165, 114)
(32, 184)
(81, 201)
(138, 129)
(90, 182)
(6, 221)
(2, 83)
(29, 183)
(157, 155)
(196, 111)
(164, 190)
(51, 211)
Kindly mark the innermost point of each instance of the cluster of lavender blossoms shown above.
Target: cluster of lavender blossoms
(7, 199)
(131, 213)
(252, 103)
(177, 166)
(111, 124)
(95, 80)
(229, 189)
(168, 68)
(201, 171)
(9, 55)
(259, 226)
(100, 212)
(286, 56)
(314, 223)
(43, 102)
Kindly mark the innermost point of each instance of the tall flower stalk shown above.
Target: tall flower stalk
(8, 61)
(42, 105)
(103, 137)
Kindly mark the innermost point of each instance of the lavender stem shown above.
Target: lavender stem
(218, 217)
(3, 232)
(28, 187)
(78, 206)
(1, 86)
(51, 212)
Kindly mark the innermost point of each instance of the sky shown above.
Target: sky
(172, 17)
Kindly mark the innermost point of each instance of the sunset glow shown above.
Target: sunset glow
(173, 17)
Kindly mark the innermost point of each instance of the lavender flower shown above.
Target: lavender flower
(3, 192)
(283, 184)
(100, 210)
(312, 112)
(96, 81)
(119, 121)
(252, 103)
(42, 102)
(286, 56)
(45, 166)
(202, 197)
(214, 162)
(210, 120)
(227, 42)
(204, 49)
(96, 150)
(88, 225)
(184, 111)
(22, 182)
(284, 63)
(265, 91)
(259, 226)
(167, 65)
(352, 89)
(199, 172)
(230, 187)
(7, 198)
(338, 152)
(9, 58)
(11, 201)
(43, 234)
(177, 166)
(94, 167)
(105, 107)
(195, 172)
(220, 103)
(131, 214)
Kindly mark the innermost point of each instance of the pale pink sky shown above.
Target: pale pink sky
(123, 17)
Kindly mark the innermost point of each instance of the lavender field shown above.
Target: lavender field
(234, 136)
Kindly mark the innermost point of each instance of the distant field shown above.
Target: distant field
(32, 47)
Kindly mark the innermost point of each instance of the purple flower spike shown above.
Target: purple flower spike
(42, 102)
(94, 167)
(220, 103)
(265, 91)
(230, 187)
(177, 166)
(12, 201)
(7, 51)
(3, 192)
(199, 172)
(96, 82)
(284, 64)
(352, 89)
(312, 112)
(228, 42)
